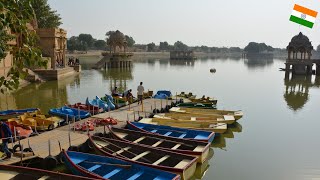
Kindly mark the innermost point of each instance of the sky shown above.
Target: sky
(219, 23)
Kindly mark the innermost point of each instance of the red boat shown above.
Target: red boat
(84, 126)
(104, 121)
(22, 131)
(89, 108)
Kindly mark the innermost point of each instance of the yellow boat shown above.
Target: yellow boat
(228, 119)
(204, 100)
(208, 126)
(237, 114)
(38, 121)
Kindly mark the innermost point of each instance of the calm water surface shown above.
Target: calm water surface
(278, 137)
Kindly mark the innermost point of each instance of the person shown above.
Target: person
(115, 91)
(140, 93)
(128, 95)
(5, 133)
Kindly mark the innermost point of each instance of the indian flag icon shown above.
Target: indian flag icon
(303, 16)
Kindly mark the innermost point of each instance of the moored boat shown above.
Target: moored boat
(197, 105)
(19, 172)
(98, 102)
(175, 163)
(101, 167)
(22, 131)
(183, 133)
(85, 107)
(236, 114)
(188, 147)
(228, 119)
(204, 100)
(71, 113)
(14, 113)
(216, 127)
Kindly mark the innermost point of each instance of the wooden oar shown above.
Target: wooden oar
(110, 164)
(123, 149)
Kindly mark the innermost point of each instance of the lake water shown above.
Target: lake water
(278, 137)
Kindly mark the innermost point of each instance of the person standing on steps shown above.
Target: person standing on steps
(5, 133)
(140, 90)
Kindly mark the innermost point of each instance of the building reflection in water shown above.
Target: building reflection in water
(40, 95)
(297, 89)
(258, 62)
(182, 63)
(118, 77)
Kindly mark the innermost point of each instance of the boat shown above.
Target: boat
(69, 113)
(151, 157)
(190, 95)
(101, 167)
(183, 133)
(98, 102)
(20, 172)
(85, 107)
(237, 114)
(163, 94)
(198, 118)
(218, 128)
(22, 131)
(204, 100)
(188, 147)
(197, 105)
(15, 113)
(118, 101)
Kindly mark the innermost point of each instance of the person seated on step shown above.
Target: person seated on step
(128, 95)
(115, 92)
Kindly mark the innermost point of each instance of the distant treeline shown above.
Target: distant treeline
(85, 42)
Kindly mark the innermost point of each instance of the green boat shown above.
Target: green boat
(197, 105)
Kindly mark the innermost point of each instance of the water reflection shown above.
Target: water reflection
(220, 141)
(182, 63)
(202, 168)
(297, 89)
(256, 62)
(45, 95)
(118, 77)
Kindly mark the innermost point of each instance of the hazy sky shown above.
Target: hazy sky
(194, 22)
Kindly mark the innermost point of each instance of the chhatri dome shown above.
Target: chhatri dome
(300, 43)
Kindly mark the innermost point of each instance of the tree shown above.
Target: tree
(46, 17)
(164, 46)
(318, 48)
(86, 39)
(100, 44)
(180, 46)
(130, 41)
(254, 47)
(151, 47)
(14, 16)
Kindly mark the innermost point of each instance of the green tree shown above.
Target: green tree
(164, 46)
(100, 44)
(254, 47)
(46, 17)
(130, 40)
(86, 39)
(151, 47)
(180, 46)
(318, 48)
(14, 16)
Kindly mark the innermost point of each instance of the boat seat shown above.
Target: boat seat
(121, 135)
(94, 167)
(135, 176)
(154, 131)
(121, 150)
(176, 146)
(140, 155)
(199, 149)
(112, 173)
(168, 133)
(182, 135)
(161, 160)
(157, 143)
(44, 178)
(201, 137)
(140, 139)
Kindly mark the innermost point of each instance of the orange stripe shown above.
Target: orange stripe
(305, 10)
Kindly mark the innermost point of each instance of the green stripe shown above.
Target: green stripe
(301, 21)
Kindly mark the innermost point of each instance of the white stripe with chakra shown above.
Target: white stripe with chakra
(303, 16)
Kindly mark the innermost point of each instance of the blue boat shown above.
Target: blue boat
(109, 100)
(14, 113)
(98, 102)
(190, 134)
(101, 167)
(163, 94)
(70, 112)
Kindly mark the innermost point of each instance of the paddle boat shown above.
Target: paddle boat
(14, 113)
(71, 113)
(197, 105)
(98, 102)
(218, 128)
(101, 167)
(19, 172)
(22, 131)
(151, 157)
(85, 107)
(204, 100)
(194, 148)
(237, 114)
(183, 133)
(163, 94)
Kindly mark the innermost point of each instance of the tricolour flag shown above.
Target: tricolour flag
(303, 16)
